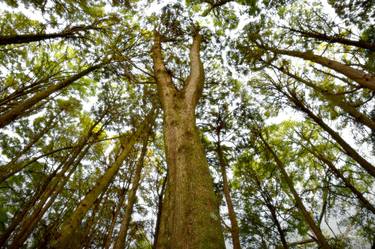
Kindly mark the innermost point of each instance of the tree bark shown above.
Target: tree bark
(305, 213)
(190, 216)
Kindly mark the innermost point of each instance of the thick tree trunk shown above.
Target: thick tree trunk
(71, 223)
(121, 239)
(235, 231)
(20, 108)
(190, 216)
(305, 213)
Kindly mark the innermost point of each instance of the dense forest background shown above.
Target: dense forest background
(195, 124)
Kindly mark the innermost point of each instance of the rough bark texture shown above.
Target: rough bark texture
(190, 216)
(301, 207)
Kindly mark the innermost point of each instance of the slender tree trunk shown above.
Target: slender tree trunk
(25, 105)
(121, 239)
(45, 201)
(365, 203)
(11, 168)
(108, 239)
(335, 100)
(347, 148)
(17, 219)
(335, 39)
(235, 231)
(306, 215)
(18, 166)
(71, 223)
(268, 201)
(190, 216)
(362, 78)
(160, 206)
(90, 224)
(27, 38)
(48, 193)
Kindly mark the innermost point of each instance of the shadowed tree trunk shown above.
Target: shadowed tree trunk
(160, 206)
(190, 216)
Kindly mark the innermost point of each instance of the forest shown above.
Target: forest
(196, 124)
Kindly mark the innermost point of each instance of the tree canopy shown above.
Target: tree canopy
(187, 124)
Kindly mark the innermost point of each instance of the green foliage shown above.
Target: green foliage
(247, 93)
